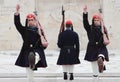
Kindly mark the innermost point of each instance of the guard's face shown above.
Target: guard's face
(97, 22)
(31, 22)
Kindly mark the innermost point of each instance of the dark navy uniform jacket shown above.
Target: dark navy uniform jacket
(30, 37)
(68, 42)
(95, 45)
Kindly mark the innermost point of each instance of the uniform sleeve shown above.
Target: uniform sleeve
(18, 24)
(106, 32)
(85, 22)
(59, 43)
(77, 45)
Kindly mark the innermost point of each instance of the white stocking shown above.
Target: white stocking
(68, 68)
(71, 67)
(30, 75)
(95, 71)
(37, 58)
(65, 68)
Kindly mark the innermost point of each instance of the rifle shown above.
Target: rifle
(36, 14)
(40, 29)
(100, 9)
(62, 27)
(104, 30)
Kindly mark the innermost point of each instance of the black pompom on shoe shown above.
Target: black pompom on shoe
(65, 76)
(71, 76)
(35, 69)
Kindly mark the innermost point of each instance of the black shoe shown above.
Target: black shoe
(31, 59)
(65, 76)
(104, 68)
(71, 76)
(95, 75)
(35, 69)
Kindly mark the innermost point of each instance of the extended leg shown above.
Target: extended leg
(95, 71)
(65, 71)
(71, 67)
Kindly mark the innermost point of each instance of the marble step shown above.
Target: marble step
(57, 77)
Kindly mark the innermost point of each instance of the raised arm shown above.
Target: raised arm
(85, 19)
(17, 22)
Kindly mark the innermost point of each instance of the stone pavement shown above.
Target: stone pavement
(53, 73)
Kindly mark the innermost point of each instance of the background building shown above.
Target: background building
(49, 12)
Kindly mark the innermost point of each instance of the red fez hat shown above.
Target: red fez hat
(68, 22)
(30, 16)
(96, 16)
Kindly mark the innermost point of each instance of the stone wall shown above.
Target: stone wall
(49, 12)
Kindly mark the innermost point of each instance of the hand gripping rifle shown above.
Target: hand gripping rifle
(62, 27)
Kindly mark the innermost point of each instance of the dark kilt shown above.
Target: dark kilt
(29, 37)
(94, 50)
(22, 59)
(66, 58)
